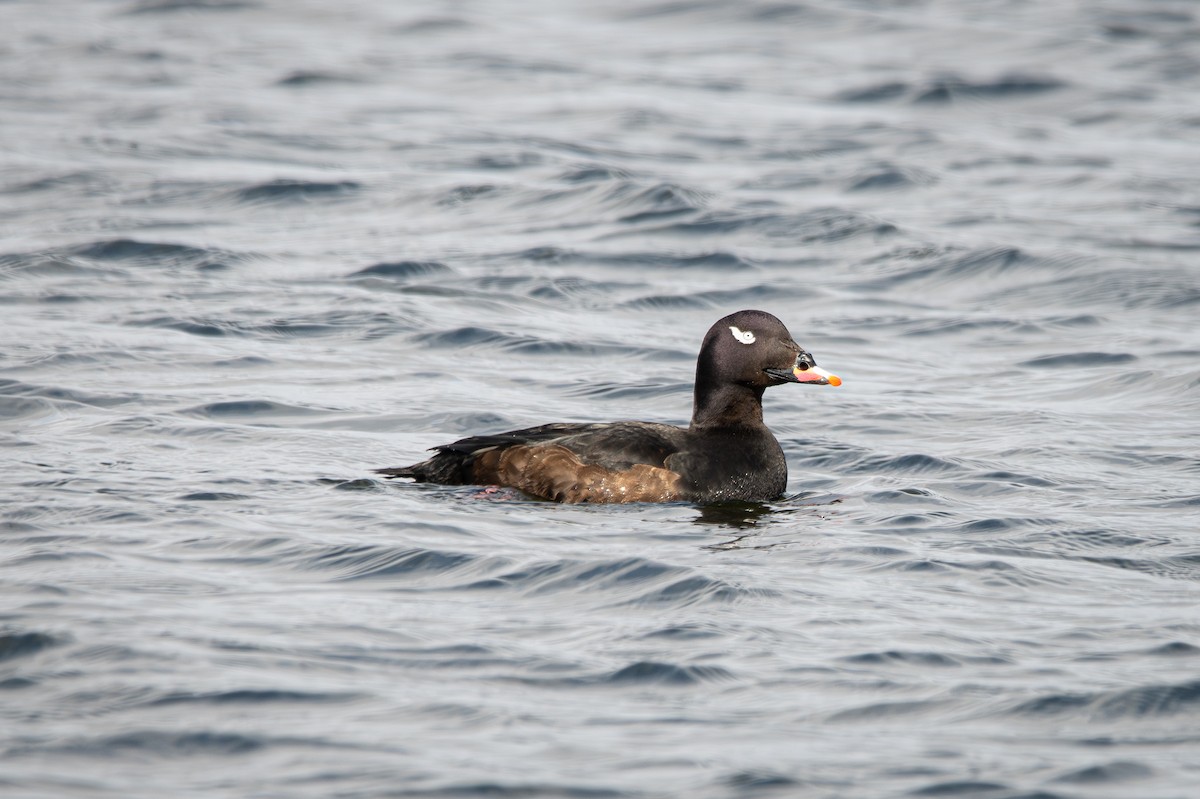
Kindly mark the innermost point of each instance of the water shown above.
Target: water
(252, 250)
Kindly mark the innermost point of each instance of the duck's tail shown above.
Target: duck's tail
(446, 467)
(399, 471)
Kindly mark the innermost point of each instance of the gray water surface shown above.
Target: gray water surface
(250, 251)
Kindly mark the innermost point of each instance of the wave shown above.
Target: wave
(950, 88)
(1151, 701)
(107, 256)
(21, 644)
(819, 225)
(284, 190)
(360, 325)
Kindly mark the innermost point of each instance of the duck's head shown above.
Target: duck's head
(755, 349)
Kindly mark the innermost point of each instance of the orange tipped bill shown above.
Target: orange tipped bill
(814, 374)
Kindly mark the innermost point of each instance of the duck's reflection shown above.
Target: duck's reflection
(745, 517)
(738, 515)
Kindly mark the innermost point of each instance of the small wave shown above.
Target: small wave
(1153, 701)
(13, 389)
(1106, 773)
(242, 362)
(195, 327)
(1175, 649)
(693, 590)
(717, 260)
(15, 645)
(754, 14)
(361, 484)
(624, 200)
(885, 177)
(295, 191)
(433, 25)
(110, 256)
(589, 173)
(311, 77)
(641, 204)
(657, 673)
(50, 263)
(912, 463)
(1126, 289)
(471, 337)
(743, 781)
(1017, 479)
(875, 93)
(818, 225)
(928, 267)
(972, 789)
(920, 328)
(948, 89)
(402, 270)
(886, 710)
(90, 515)
(249, 697)
(576, 289)
(231, 434)
(685, 632)
(667, 302)
(134, 252)
(492, 789)
(82, 181)
(467, 193)
(748, 296)
(1190, 501)
(893, 656)
(213, 496)
(672, 8)
(604, 390)
(463, 337)
(170, 6)
(370, 562)
(163, 743)
(358, 325)
(14, 408)
(160, 743)
(248, 410)
(552, 255)
(1079, 360)
(629, 582)
(991, 526)
(1176, 567)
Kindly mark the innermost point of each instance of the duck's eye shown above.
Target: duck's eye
(744, 336)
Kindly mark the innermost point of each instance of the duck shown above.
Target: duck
(725, 454)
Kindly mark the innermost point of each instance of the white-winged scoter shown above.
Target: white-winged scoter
(726, 453)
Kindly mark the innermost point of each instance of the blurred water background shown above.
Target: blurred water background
(252, 249)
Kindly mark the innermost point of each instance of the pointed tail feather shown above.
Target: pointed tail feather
(447, 468)
(398, 471)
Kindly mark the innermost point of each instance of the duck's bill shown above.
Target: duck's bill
(813, 374)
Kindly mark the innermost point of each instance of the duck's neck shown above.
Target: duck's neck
(729, 405)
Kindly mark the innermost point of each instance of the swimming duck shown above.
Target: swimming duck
(726, 453)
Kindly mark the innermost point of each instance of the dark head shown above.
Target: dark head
(741, 356)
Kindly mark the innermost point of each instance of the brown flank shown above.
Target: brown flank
(557, 473)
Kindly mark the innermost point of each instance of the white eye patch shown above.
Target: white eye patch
(744, 336)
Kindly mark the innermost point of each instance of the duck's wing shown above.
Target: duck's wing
(614, 462)
(452, 465)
